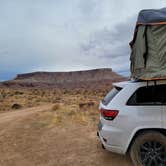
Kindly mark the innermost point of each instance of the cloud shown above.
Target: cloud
(112, 44)
(60, 35)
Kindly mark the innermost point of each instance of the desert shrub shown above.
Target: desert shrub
(35, 92)
(58, 98)
(3, 94)
(71, 113)
(42, 93)
(16, 106)
(1, 97)
(55, 107)
(87, 104)
(18, 93)
(37, 100)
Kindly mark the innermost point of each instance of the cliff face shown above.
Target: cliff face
(78, 79)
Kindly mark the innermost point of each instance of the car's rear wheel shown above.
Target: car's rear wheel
(149, 149)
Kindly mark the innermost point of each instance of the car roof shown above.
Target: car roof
(139, 82)
(121, 84)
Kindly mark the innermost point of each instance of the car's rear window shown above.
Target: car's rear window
(111, 95)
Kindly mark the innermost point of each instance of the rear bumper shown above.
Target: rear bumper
(115, 149)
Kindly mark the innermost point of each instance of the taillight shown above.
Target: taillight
(109, 114)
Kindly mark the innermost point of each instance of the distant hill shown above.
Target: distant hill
(93, 79)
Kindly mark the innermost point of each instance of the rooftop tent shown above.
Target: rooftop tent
(148, 47)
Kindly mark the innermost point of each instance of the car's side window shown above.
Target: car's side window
(149, 95)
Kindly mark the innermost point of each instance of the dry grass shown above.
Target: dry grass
(79, 105)
(60, 131)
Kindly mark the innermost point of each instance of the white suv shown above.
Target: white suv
(133, 119)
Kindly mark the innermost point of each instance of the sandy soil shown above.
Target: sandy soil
(32, 137)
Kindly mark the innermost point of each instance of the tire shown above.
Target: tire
(149, 149)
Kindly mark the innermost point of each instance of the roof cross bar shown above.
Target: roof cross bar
(147, 83)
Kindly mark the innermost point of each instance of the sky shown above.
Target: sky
(65, 35)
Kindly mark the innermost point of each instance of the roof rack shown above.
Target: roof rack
(148, 80)
(155, 82)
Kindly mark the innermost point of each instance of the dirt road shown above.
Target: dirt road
(30, 137)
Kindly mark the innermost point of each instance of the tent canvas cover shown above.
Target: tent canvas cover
(148, 47)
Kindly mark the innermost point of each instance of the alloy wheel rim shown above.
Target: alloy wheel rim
(152, 153)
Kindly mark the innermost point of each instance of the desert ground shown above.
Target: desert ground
(52, 127)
